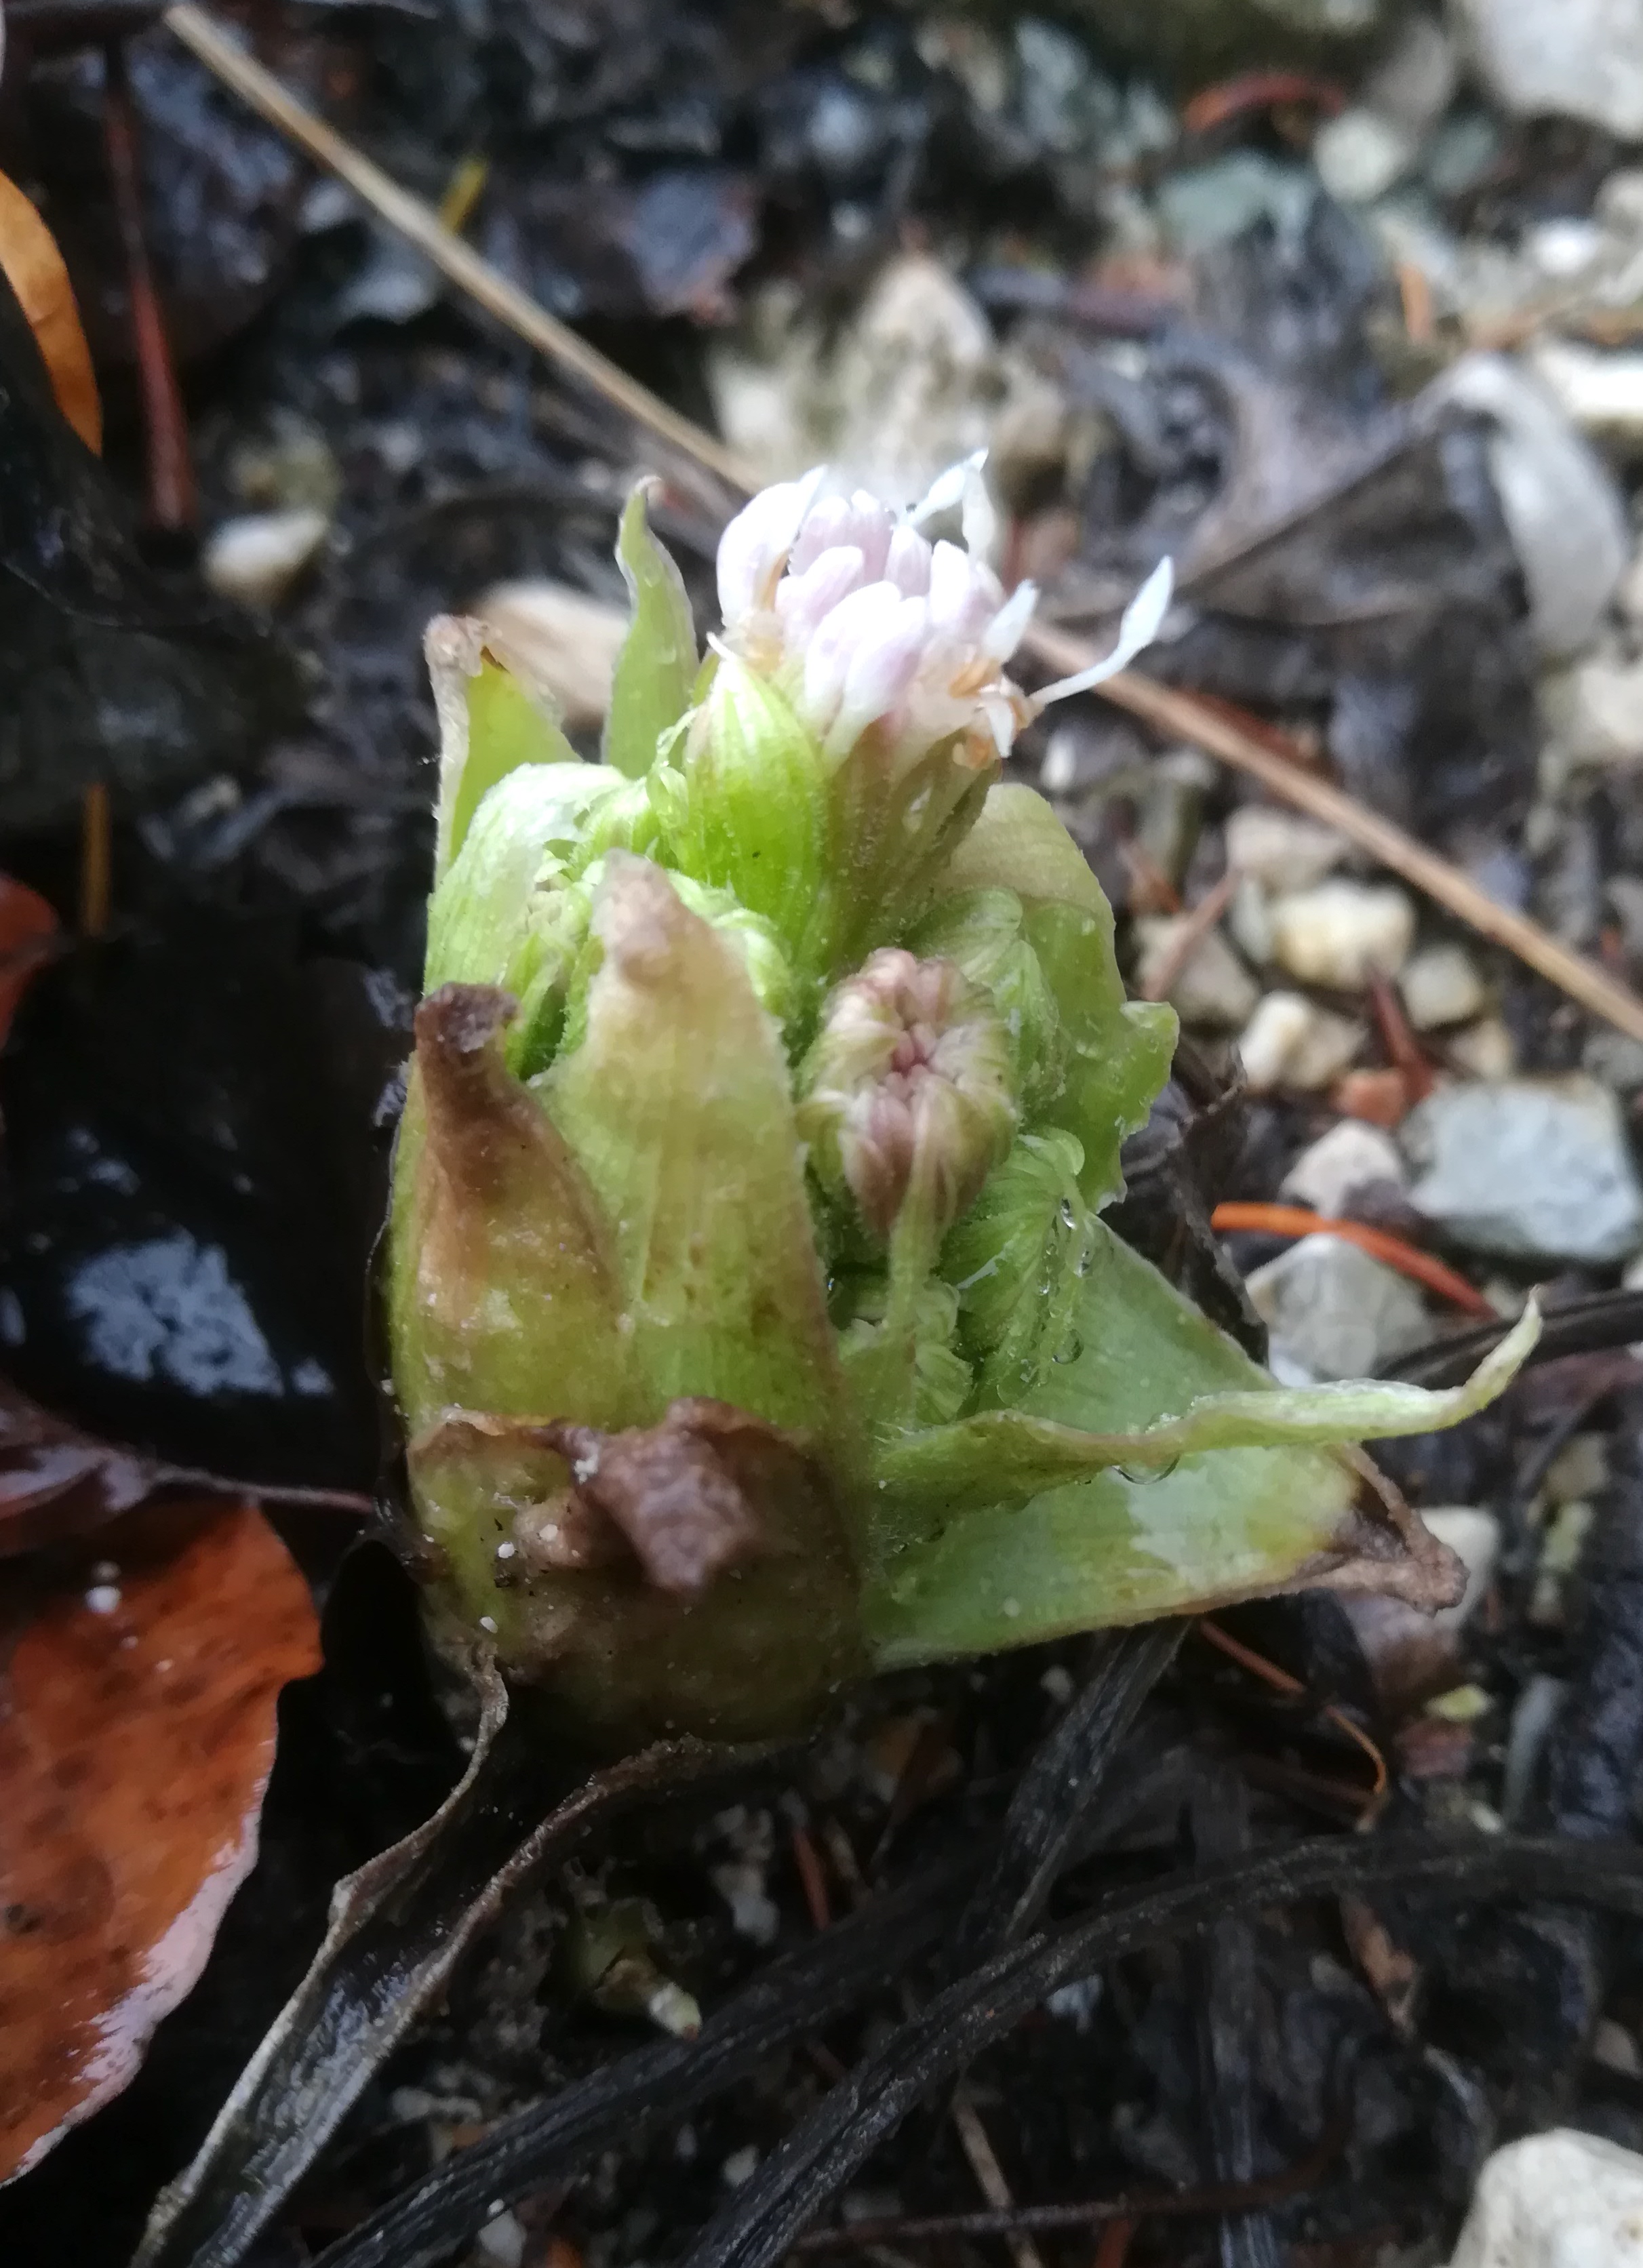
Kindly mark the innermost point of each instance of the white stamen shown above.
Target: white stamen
(946, 491)
(979, 518)
(1142, 619)
(1005, 632)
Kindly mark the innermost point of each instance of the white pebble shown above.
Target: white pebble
(1556, 2201)
(753, 1912)
(1601, 394)
(1485, 1050)
(1281, 850)
(1440, 985)
(1213, 991)
(1341, 934)
(1290, 1042)
(501, 2239)
(739, 2167)
(1615, 2049)
(1474, 1537)
(1359, 155)
(487, 1623)
(1352, 1156)
(255, 560)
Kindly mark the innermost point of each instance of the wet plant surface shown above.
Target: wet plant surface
(1249, 1938)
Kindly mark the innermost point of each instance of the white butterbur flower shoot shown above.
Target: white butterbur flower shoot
(753, 1320)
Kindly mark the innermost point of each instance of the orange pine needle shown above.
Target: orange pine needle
(1379, 1243)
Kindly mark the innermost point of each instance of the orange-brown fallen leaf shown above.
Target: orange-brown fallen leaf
(137, 1736)
(27, 927)
(33, 267)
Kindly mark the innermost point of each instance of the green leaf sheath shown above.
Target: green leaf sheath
(677, 1106)
(491, 720)
(657, 666)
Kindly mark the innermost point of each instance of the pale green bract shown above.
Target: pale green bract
(752, 1317)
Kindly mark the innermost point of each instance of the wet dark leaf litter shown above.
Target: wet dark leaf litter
(197, 1105)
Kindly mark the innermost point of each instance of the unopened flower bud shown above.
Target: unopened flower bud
(906, 1092)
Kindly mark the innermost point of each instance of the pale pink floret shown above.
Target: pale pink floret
(870, 625)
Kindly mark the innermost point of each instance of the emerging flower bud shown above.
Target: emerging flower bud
(751, 1317)
(907, 1092)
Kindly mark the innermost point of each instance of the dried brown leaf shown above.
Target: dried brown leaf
(34, 268)
(137, 1713)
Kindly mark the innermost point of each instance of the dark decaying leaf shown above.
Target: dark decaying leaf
(56, 1482)
(136, 1734)
(27, 927)
(1338, 551)
(399, 1927)
(109, 673)
(820, 2155)
(190, 1148)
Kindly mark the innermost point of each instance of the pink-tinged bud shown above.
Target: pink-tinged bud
(803, 601)
(753, 550)
(909, 1096)
(964, 593)
(906, 563)
(833, 648)
(882, 670)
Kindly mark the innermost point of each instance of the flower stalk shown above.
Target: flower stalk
(752, 1316)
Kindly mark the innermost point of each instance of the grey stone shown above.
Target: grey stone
(1354, 1155)
(1565, 510)
(1335, 1313)
(1534, 1169)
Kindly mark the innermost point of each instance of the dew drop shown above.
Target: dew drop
(1069, 1350)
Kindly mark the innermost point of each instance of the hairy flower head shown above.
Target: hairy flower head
(870, 626)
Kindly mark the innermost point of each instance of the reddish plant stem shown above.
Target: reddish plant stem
(173, 502)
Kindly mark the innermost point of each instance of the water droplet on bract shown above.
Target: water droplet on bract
(1068, 1217)
(1148, 1473)
(1069, 1350)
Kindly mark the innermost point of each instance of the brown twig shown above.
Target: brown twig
(1292, 1690)
(812, 1880)
(1216, 2199)
(173, 502)
(1197, 926)
(96, 861)
(421, 226)
(1276, 761)
(1183, 716)
(977, 2145)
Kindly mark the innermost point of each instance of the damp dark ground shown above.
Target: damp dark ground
(1155, 1920)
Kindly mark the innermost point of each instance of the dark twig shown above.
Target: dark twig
(1590, 1325)
(1215, 2198)
(794, 2184)
(615, 2106)
(173, 502)
(1053, 1797)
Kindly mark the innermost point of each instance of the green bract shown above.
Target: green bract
(752, 1321)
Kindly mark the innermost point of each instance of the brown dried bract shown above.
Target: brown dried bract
(686, 1494)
